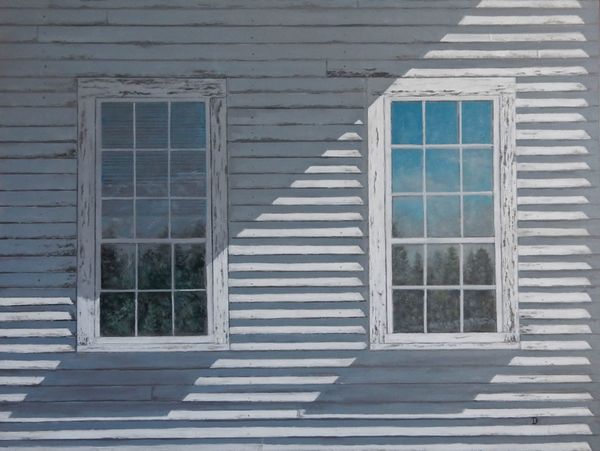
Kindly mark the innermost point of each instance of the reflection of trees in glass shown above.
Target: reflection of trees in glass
(479, 268)
(443, 311)
(117, 314)
(117, 266)
(190, 313)
(154, 314)
(408, 311)
(480, 311)
(189, 266)
(443, 266)
(154, 267)
(405, 272)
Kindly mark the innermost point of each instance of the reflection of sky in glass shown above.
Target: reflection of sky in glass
(151, 173)
(407, 217)
(407, 170)
(152, 218)
(477, 169)
(117, 218)
(443, 216)
(151, 120)
(443, 170)
(477, 122)
(188, 125)
(407, 123)
(441, 121)
(117, 125)
(117, 174)
(478, 216)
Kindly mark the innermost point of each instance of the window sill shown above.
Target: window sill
(153, 344)
(449, 341)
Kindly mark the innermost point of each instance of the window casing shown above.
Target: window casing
(442, 271)
(152, 226)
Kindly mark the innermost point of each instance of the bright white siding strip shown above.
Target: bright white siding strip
(528, 71)
(268, 330)
(553, 183)
(551, 87)
(554, 250)
(553, 266)
(281, 313)
(211, 415)
(552, 200)
(35, 316)
(342, 153)
(551, 329)
(553, 134)
(549, 361)
(326, 184)
(551, 216)
(12, 397)
(552, 232)
(301, 233)
(541, 379)
(297, 297)
(29, 364)
(309, 217)
(509, 54)
(290, 267)
(16, 381)
(340, 169)
(253, 397)
(533, 397)
(306, 346)
(514, 37)
(529, 4)
(555, 297)
(295, 250)
(282, 363)
(522, 20)
(550, 118)
(555, 345)
(348, 200)
(35, 349)
(551, 103)
(9, 302)
(574, 313)
(298, 282)
(547, 150)
(554, 167)
(266, 380)
(305, 431)
(554, 282)
(45, 333)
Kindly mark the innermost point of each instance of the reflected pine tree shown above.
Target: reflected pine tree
(405, 272)
(154, 269)
(479, 268)
(117, 263)
(443, 268)
(154, 314)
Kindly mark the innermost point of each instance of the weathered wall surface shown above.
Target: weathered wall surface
(299, 371)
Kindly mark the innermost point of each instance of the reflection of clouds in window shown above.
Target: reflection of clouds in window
(117, 174)
(407, 170)
(152, 218)
(151, 120)
(443, 216)
(188, 218)
(477, 169)
(188, 173)
(188, 130)
(117, 218)
(151, 174)
(478, 216)
(407, 217)
(407, 123)
(477, 122)
(441, 122)
(443, 170)
(117, 125)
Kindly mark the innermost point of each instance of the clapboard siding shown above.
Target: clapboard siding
(299, 372)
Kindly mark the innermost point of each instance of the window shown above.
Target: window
(152, 215)
(442, 194)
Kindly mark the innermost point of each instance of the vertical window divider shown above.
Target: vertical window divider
(169, 233)
(425, 246)
(136, 246)
(462, 222)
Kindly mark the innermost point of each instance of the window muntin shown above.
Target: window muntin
(443, 259)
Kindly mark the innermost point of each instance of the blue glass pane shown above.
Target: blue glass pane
(407, 171)
(117, 218)
(117, 125)
(479, 216)
(151, 173)
(407, 123)
(477, 122)
(407, 217)
(478, 170)
(151, 120)
(188, 218)
(443, 216)
(188, 125)
(152, 218)
(441, 121)
(443, 170)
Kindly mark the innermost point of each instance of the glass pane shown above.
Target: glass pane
(117, 125)
(407, 217)
(407, 123)
(188, 125)
(477, 122)
(154, 266)
(118, 266)
(407, 264)
(441, 121)
(408, 311)
(152, 218)
(154, 314)
(443, 170)
(117, 219)
(151, 120)
(478, 170)
(479, 216)
(443, 264)
(480, 311)
(117, 174)
(443, 216)
(189, 266)
(190, 313)
(117, 314)
(151, 173)
(479, 264)
(188, 218)
(188, 173)
(407, 171)
(443, 311)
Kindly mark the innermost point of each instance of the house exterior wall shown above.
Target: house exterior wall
(299, 74)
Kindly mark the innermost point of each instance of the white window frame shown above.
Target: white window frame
(90, 93)
(502, 92)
